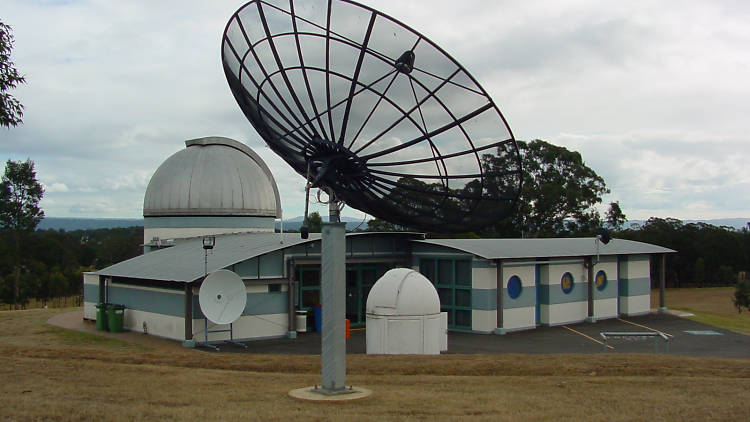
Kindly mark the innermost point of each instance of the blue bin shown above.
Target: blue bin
(318, 314)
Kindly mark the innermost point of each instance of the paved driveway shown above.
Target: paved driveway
(574, 338)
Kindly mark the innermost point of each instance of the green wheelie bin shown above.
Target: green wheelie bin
(115, 317)
(101, 317)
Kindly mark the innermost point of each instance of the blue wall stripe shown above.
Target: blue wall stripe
(173, 304)
(482, 263)
(91, 293)
(609, 292)
(526, 299)
(635, 286)
(272, 264)
(555, 295)
(484, 299)
(266, 303)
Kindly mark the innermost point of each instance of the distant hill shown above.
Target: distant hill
(71, 224)
(292, 224)
(737, 223)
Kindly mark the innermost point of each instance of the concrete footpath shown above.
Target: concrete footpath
(686, 337)
(74, 321)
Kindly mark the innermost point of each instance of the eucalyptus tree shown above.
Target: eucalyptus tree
(20, 193)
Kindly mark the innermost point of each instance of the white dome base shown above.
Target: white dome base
(407, 335)
(403, 315)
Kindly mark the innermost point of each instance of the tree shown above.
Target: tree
(20, 194)
(615, 218)
(558, 195)
(314, 222)
(742, 295)
(11, 110)
(378, 225)
(699, 272)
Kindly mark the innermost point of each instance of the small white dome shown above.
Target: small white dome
(403, 291)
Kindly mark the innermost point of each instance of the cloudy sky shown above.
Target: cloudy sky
(654, 94)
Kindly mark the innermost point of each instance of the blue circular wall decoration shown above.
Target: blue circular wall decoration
(600, 280)
(566, 282)
(514, 287)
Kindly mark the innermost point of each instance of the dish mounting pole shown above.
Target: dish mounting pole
(333, 301)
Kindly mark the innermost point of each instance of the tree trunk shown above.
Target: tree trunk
(17, 270)
(16, 275)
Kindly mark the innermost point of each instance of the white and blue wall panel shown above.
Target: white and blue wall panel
(634, 289)
(519, 295)
(90, 295)
(606, 290)
(560, 302)
(483, 296)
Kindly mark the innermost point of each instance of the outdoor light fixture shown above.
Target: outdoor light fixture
(209, 242)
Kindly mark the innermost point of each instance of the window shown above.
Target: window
(309, 286)
(463, 273)
(566, 283)
(274, 288)
(452, 279)
(427, 268)
(514, 287)
(600, 280)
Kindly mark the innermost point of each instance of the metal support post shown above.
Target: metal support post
(333, 301)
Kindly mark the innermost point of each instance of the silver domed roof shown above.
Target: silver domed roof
(213, 176)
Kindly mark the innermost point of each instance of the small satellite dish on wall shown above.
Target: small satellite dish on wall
(222, 297)
(604, 236)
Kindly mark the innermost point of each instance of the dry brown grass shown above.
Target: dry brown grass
(46, 376)
(711, 305)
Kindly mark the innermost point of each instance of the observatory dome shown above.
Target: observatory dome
(214, 186)
(212, 176)
(403, 291)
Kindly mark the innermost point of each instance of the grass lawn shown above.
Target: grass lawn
(49, 373)
(712, 306)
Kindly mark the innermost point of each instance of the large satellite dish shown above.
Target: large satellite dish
(373, 112)
(222, 297)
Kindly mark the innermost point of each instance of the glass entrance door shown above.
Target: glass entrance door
(359, 281)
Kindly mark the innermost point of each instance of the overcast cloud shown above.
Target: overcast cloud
(654, 94)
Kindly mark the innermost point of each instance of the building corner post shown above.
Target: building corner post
(662, 283)
(189, 342)
(500, 328)
(292, 329)
(589, 264)
(102, 289)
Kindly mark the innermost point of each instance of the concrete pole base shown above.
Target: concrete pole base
(189, 344)
(319, 394)
(291, 334)
(591, 319)
(663, 310)
(500, 331)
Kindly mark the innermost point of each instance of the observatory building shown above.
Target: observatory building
(220, 187)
